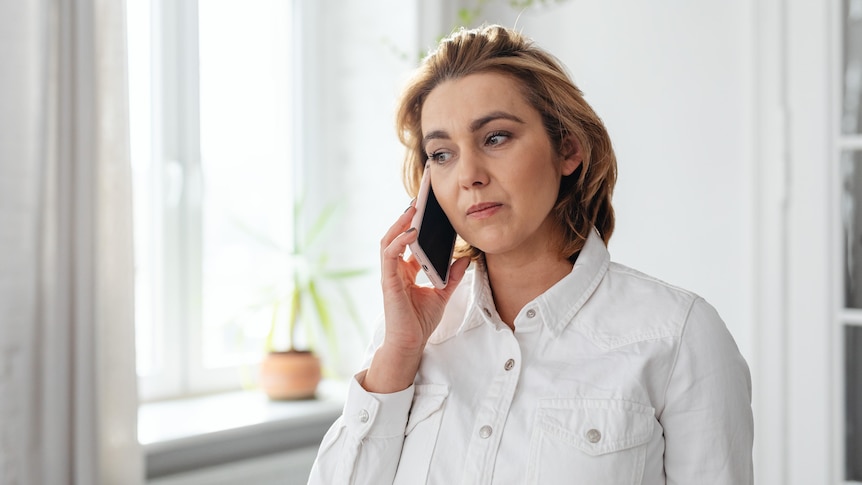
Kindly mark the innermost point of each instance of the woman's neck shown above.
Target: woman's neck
(517, 281)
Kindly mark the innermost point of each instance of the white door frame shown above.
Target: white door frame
(795, 397)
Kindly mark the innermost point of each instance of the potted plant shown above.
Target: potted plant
(302, 318)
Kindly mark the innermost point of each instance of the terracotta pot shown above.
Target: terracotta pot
(290, 375)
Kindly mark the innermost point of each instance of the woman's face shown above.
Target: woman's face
(493, 168)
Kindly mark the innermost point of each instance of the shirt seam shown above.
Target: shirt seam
(620, 268)
(619, 343)
(676, 355)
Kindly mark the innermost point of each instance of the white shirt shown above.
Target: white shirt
(610, 377)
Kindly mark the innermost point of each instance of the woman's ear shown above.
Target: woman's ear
(572, 156)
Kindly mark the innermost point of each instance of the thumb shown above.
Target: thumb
(456, 274)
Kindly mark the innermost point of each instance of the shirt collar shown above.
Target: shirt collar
(557, 306)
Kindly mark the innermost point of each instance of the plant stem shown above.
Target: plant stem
(295, 313)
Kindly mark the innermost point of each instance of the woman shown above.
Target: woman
(546, 363)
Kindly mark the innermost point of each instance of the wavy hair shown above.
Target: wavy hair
(584, 199)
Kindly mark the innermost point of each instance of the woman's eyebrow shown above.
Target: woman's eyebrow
(435, 135)
(495, 115)
(474, 126)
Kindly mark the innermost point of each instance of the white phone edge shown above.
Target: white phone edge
(421, 201)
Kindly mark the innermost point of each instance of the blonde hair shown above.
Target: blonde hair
(584, 199)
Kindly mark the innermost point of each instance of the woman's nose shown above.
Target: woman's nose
(471, 169)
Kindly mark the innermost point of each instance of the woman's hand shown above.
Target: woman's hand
(411, 312)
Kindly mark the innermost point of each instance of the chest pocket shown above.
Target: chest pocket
(589, 441)
(420, 435)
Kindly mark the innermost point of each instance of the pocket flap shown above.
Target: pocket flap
(597, 426)
(427, 400)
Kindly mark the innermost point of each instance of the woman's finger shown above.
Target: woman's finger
(392, 257)
(399, 245)
(401, 225)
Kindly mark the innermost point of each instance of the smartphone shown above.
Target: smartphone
(435, 244)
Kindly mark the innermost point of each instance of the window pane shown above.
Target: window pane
(245, 89)
(853, 392)
(851, 120)
(851, 215)
(149, 354)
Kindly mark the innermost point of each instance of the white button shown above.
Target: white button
(509, 364)
(487, 312)
(593, 436)
(363, 416)
(485, 431)
(531, 313)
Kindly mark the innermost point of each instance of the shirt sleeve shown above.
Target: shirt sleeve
(707, 418)
(364, 444)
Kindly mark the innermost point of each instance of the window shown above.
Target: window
(212, 124)
(849, 157)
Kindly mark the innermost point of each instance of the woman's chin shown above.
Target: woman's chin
(490, 248)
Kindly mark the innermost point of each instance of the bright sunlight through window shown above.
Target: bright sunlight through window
(210, 104)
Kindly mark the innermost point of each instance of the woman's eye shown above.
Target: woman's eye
(439, 157)
(496, 138)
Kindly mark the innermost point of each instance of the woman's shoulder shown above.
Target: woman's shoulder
(629, 306)
(623, 273)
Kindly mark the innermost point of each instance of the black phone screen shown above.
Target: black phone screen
(437, 236)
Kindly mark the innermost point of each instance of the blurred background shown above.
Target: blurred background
(167, 168)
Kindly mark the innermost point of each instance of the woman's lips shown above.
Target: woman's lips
(483, 210)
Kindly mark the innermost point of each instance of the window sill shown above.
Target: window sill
(190, 434)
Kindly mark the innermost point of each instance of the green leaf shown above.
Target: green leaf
(269, 343)
(320, 223)
(295, 312)
(344, 274)
(352, 311)
(309, 317)
(255, 235)
(325, 319)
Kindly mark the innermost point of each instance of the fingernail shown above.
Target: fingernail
(411, 205)
(408, 231)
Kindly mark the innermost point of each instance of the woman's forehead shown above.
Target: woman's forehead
(461, 102)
